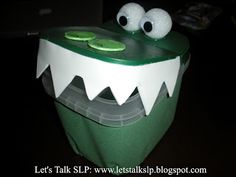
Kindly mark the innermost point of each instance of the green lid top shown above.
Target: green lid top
(130, 48)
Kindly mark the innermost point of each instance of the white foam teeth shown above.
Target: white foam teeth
(104, 75)
(122, 92)
(60, 80)
(154, 76)
(148, 92)
(50, 55)
(92, 88)
(42, 62)
(98, 75)
(41, 66)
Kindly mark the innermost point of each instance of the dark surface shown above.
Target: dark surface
(202, 134)
(21, 18)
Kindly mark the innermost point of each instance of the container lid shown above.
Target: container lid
(146, 49)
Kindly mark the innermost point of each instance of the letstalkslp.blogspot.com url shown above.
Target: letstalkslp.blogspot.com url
(77, 169)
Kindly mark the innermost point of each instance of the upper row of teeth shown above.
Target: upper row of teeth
(98, 75)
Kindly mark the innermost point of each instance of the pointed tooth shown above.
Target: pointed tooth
(93, 87)
(149, 91)
(122, 92)
(170, 83)
(41, 67)
(42, 64)
(60, 80)
(172, 71)
(122, 81)
(62, 69)
(153, 77)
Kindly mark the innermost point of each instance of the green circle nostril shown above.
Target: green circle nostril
(147, 26)
(123, 21)
(106, 45)
(80, 35)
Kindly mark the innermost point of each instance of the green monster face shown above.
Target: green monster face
(139, 51)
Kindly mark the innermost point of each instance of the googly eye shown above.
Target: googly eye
(129, 16)
(156, 23)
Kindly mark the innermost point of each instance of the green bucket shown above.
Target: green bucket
(102, 131)
(125, 146)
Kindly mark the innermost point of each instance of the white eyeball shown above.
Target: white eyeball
(156, 23)
(129, 16)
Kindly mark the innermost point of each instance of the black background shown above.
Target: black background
(202, 134)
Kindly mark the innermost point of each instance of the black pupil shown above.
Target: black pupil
(147, 26)
(123, 21)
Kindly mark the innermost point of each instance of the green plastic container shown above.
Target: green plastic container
(125, 146)
(127, 136)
